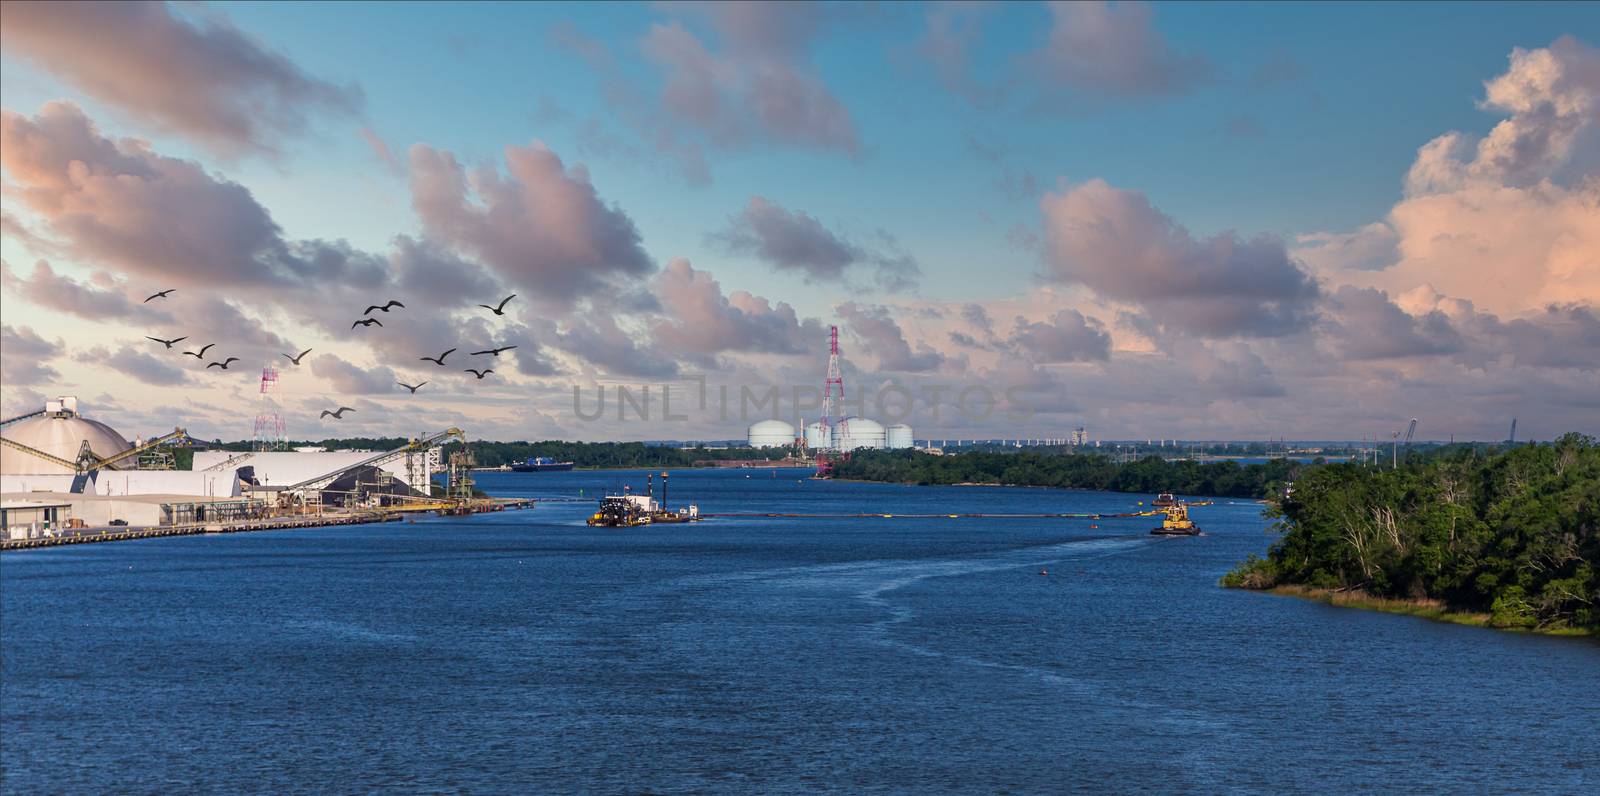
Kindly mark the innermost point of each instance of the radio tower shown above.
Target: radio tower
(269, 424)
(833, 427)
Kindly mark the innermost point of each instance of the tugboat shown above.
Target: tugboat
(1177, 523)
(541, 464)
(1164, 500)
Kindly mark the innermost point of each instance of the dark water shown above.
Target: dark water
(525, 653)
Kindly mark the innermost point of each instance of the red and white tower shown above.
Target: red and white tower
(269, 423)
(834, 425)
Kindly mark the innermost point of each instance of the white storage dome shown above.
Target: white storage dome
(859, 432)
(60, 432)
(818, 436)
(899, 436)
(771, 434)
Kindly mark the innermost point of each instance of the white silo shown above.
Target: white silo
(859, 432)
(771, 434)
(818, 436)
(899, 436)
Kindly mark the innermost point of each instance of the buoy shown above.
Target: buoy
(1044, 572)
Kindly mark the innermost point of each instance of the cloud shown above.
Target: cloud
(701, 320)
(108, 300)
(23, 355)
(1067, 336)
(597, 340)
(1280, 67)
(1511, 221)
(1101, 50)
(1117, 244)
(953, 29)
(203, 79)
(755, 87)
(1370, 248)
(350, 379)
(121, 204)
(543, 228)
(132, 362)
(1367, 325)
(877, 332)
(1235, 372)
(796, 241)
(380, 150)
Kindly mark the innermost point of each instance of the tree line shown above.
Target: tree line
(1151, 474)
(1514, 533)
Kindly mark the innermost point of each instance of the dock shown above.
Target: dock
(68, 536)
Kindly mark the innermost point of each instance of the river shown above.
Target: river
(523, 652)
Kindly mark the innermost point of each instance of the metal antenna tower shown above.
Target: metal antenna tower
(269, 424)
(833, 426)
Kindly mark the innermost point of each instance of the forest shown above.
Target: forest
(1151, 474)
(1513, 533)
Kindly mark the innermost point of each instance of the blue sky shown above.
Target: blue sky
(1299, 119)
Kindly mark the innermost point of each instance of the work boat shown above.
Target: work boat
(627, 511)
(1177, 522)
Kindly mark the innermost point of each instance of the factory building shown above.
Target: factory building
(853, 433)
(268, 469)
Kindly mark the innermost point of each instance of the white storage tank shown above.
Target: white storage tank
(899, 436)
(818, 436)
(859, 432)
(771, 434)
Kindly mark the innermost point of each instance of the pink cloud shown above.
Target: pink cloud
(543, 228)
(205, 79)
(1114, 242)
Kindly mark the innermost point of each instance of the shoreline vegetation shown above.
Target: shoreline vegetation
(1501, 537)
(1507, 538)
(1149, 475)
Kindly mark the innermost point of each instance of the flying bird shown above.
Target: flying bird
(162, 294)
(223, 364)
(296, 359)
(480, 373)
(500, 310)
(337, 414)
(366, 322)
(167, 343)
(495, 351)
(201, 354)
(384, 308)
(409, 387)
(438, 359)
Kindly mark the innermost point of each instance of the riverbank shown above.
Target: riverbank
(1434, 610)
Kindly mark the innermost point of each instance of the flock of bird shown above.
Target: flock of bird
(365, 321)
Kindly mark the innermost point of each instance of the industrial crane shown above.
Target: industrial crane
(89, 461)
(1411, 431)
(317, 483)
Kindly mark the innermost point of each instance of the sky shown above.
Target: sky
(1193, 221)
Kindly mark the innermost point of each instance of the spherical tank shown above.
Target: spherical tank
(818, 436)
(899, 436)
(859, 432)
(771, 434)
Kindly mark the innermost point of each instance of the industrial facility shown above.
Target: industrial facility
(61, 471)
(831, 435)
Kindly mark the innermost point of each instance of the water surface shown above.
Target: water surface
(524, 652)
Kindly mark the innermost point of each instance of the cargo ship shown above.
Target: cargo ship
(541, 464)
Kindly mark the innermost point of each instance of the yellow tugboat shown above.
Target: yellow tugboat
(1177, 522)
